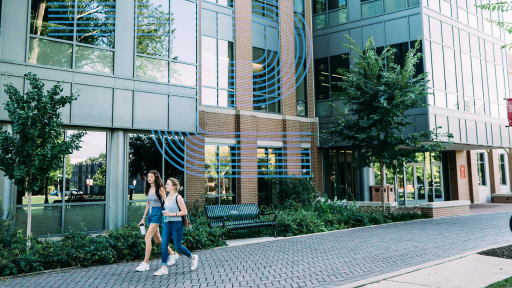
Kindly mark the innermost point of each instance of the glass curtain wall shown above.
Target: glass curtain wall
(72, 197)
(266, 8)
(217, 72)
(220, 175)
(467, 12)
(166, 41)
(145, 154)
(326, 79)
(370, 8)
(73, 34)
(266, 80)
(329, 13)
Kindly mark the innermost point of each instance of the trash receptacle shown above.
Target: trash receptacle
(389, 193)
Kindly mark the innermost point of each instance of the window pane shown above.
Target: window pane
(209, 96)
(453, 102)
(152, 69)
(338, 17)
(259, 69)
(273, 71)
(223, 98)
(479, 107)
(258, 8)
(500, 82)
(301, 108)
(437, 66)
(94, 60)
(414, 3)
(54, 19)
(463, 16)
(491, 78)
(95, 22)
(335, 4)
(211, 174)
(338, 62)
(135, 211)
(494, 110)
(440, 99)
(227, 184)
(273, 105)
(271, 12)
(50, 53)
(477, 77)
(184, 38)
(393, 5)
(225, 56)
(209, 61)
(319, 6)
(319, 21)
(503, 111)
(449, 67)
(298, 5)
(469, 105)
(183, 74)
(45, 220)
(473, 20)
(446, 8)
(371, 9)
(92, 217)
(301, 78)
(503, 169)
(322, 79)
(434, 4)
(467, 77)
(88, 163)
(400, 54)
(153, 28)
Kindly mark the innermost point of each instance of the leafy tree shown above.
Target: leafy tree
(35, 147)
(378, 96)
(505, 7)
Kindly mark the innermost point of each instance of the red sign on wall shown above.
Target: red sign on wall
(509, 111)
(462, 171)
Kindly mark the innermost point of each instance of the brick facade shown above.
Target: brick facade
(446, 211)
(248, 126)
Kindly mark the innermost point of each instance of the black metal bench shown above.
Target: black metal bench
(238, 217)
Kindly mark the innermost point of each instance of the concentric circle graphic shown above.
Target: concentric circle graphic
(267, 80)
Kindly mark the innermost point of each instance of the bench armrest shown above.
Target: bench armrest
(265, 214)
(220, 217)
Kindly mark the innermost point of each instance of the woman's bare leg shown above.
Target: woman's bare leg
(151, 231)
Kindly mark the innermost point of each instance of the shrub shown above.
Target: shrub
(295, 191)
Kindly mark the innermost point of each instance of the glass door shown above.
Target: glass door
(415, 183)
(437, 184)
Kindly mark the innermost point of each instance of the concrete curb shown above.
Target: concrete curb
(412, 269)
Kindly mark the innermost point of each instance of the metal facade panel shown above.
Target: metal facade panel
(415, 27)
(471, 131)
(321, 44)
(397, 31)
(488, 129)
(93, 106)
(336, 41)
(354, 12)
(208, 23)
(182, 116)
(481, 133)
(463, 136)
(377, 32)
(454, 128)
(272, 39)
(66, 110)
(504, 136)
(123, 58)
(258, 35)
(150, 111)
(496, 135)
(421, 122)
(14, 39)
(18, 83)
(442, 124)
(123, 108)
(356, 34)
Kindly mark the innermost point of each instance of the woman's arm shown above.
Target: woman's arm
(183, 207)
(145, 213)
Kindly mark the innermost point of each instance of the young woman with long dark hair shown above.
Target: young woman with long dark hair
(155, 191)
(175, 208)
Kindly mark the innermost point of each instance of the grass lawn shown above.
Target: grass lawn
(506, 283)
(40, 199)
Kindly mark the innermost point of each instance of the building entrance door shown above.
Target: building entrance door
(340, 174)
(415, 175)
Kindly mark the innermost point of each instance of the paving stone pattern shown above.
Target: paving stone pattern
(322, 260)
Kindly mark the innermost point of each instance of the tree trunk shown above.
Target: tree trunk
(382, 183)
(29, 219)
(38, 24)
(46, 191)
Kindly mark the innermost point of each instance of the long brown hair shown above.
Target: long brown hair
(159, 185)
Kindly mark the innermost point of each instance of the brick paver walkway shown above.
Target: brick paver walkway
(322, 260)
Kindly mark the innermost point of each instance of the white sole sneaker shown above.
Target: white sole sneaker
(142, 267)
(193, 265)
(171, 260)
(161, 271)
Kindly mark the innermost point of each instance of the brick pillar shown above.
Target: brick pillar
(287, 61)
(309, 32)
(243, 55)
(472, 173)
(194, 178)
(459, 187)
(247, 189)
(292, 146)
(494, 171)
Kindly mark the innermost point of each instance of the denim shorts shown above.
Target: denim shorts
(155, 216)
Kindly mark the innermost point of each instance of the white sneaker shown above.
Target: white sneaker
(142, 267)
(193, 265)
(171, 260)
(161, 271)
(176, 256)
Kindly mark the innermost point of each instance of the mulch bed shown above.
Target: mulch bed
(501, 252)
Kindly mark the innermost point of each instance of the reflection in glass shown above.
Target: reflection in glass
(446, 8)
(153, 19)
(452, 101)
(472, 20)
(335, 4)
(45, 220)
(319, 21)
(90, 217)
(136, 211)
(413, 3)
(183, 47)
(370, 9)
(95, 22)
(301, 108)
(323, 109)
(451, 74)
(491, 79)
(477, 77)
(51, 53)
(183, 74)
(438, 66)
(319, 6)
(467, 79)
(298, 5)
(271, 12)
(469, 105)
(54, 19)
(220, 183)
(503, 169)
(463, 16)
(301, 90)
(209, 96)
(94, 60)
(258, 8)
(223, 98)
(420, 184)
(440, 98)
(494, 109)
(209, 61)
(437, 182)
(152, 69)
(225, 67)
(268, 165)
(409, 183)
(394, 5)
(338, 17)
(89, 163)
(480, 164)
(479, 107)
(322, 79)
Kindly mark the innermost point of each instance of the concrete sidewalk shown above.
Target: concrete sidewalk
(474, 271)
